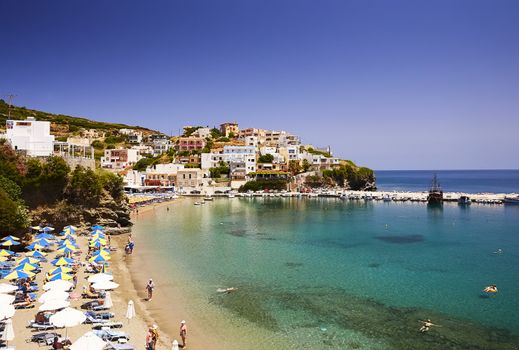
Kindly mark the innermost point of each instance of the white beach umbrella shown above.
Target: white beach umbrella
(67, 318)
(54, 304)
(175, 345)
(105, 285)
(7, 288)
(53, 294)
(100, 277)
(130, 311)
(58, 285)
(8, 333)
(6, 299)
(6, 311)
(89, 341)
(108, 300)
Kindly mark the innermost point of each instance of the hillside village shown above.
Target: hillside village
(202, 160)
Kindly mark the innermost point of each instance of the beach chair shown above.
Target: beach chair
(40, 326)
(105, 323)
(43, 339)
(93, 317)
(117, 346)
(112, 336)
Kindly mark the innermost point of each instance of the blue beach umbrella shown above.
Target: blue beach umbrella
(9, 242)
(96, 244)
(60, 269)
(47, 229)
(17, 274)
(69, 228)
(99, 258)
(97, 227)
(60, 276)
(12, 238)
(27, 267)
(35, 246)
(29, 260)
(6, 252)
(35, 254)
(66, 250)
(62, 261)
(44, 242)
(44, 236)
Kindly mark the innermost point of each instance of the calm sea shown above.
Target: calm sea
(469, 181)
(332, 274)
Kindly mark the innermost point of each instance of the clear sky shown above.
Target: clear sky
(389, 84)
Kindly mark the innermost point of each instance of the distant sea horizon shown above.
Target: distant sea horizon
(463, 180)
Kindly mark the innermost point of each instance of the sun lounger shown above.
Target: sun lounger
(40, 326)
(45, 338)
(93, 317)
(109, 335)
(110, 324)
(117, 346)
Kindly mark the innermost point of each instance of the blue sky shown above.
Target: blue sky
(389, 84)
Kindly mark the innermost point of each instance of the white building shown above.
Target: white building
(202, 132)
(31, 136)
(232, 154)
(120, 158)
(134, 178)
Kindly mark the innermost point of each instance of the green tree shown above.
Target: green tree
(306, 165)
(13, 215)
(84, 187)
(143, 163)
(294, 167)
(266, 158)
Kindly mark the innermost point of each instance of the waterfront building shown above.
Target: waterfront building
(134, 178)
(230, 154)
(75, 154)
(289, 153)
(135, 137)
(319, 161)
(162, 174)
(143, 149)
(31, 136)
(190, 179)
(119, 158)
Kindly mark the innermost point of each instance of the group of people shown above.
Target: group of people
(152, 336)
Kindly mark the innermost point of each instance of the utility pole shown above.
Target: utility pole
(9, 102)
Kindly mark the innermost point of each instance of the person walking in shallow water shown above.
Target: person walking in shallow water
(149, 288)
(183, 333)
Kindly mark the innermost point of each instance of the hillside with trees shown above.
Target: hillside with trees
(46, 191)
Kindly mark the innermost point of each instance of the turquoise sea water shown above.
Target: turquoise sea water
(350, 274)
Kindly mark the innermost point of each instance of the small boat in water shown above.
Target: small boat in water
(197, 203)
(435, 192)
(464, 200)
(511, 200)
(208, 199)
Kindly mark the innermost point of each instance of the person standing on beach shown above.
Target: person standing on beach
(183, 333)
(149, 339)
(149, 288)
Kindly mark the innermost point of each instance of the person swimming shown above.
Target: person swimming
(426, 325)
(226, 290)
(490, 289)
(499, 251)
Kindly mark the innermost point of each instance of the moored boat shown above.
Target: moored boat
(511, 200)
(464, 200)
(435, 192)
